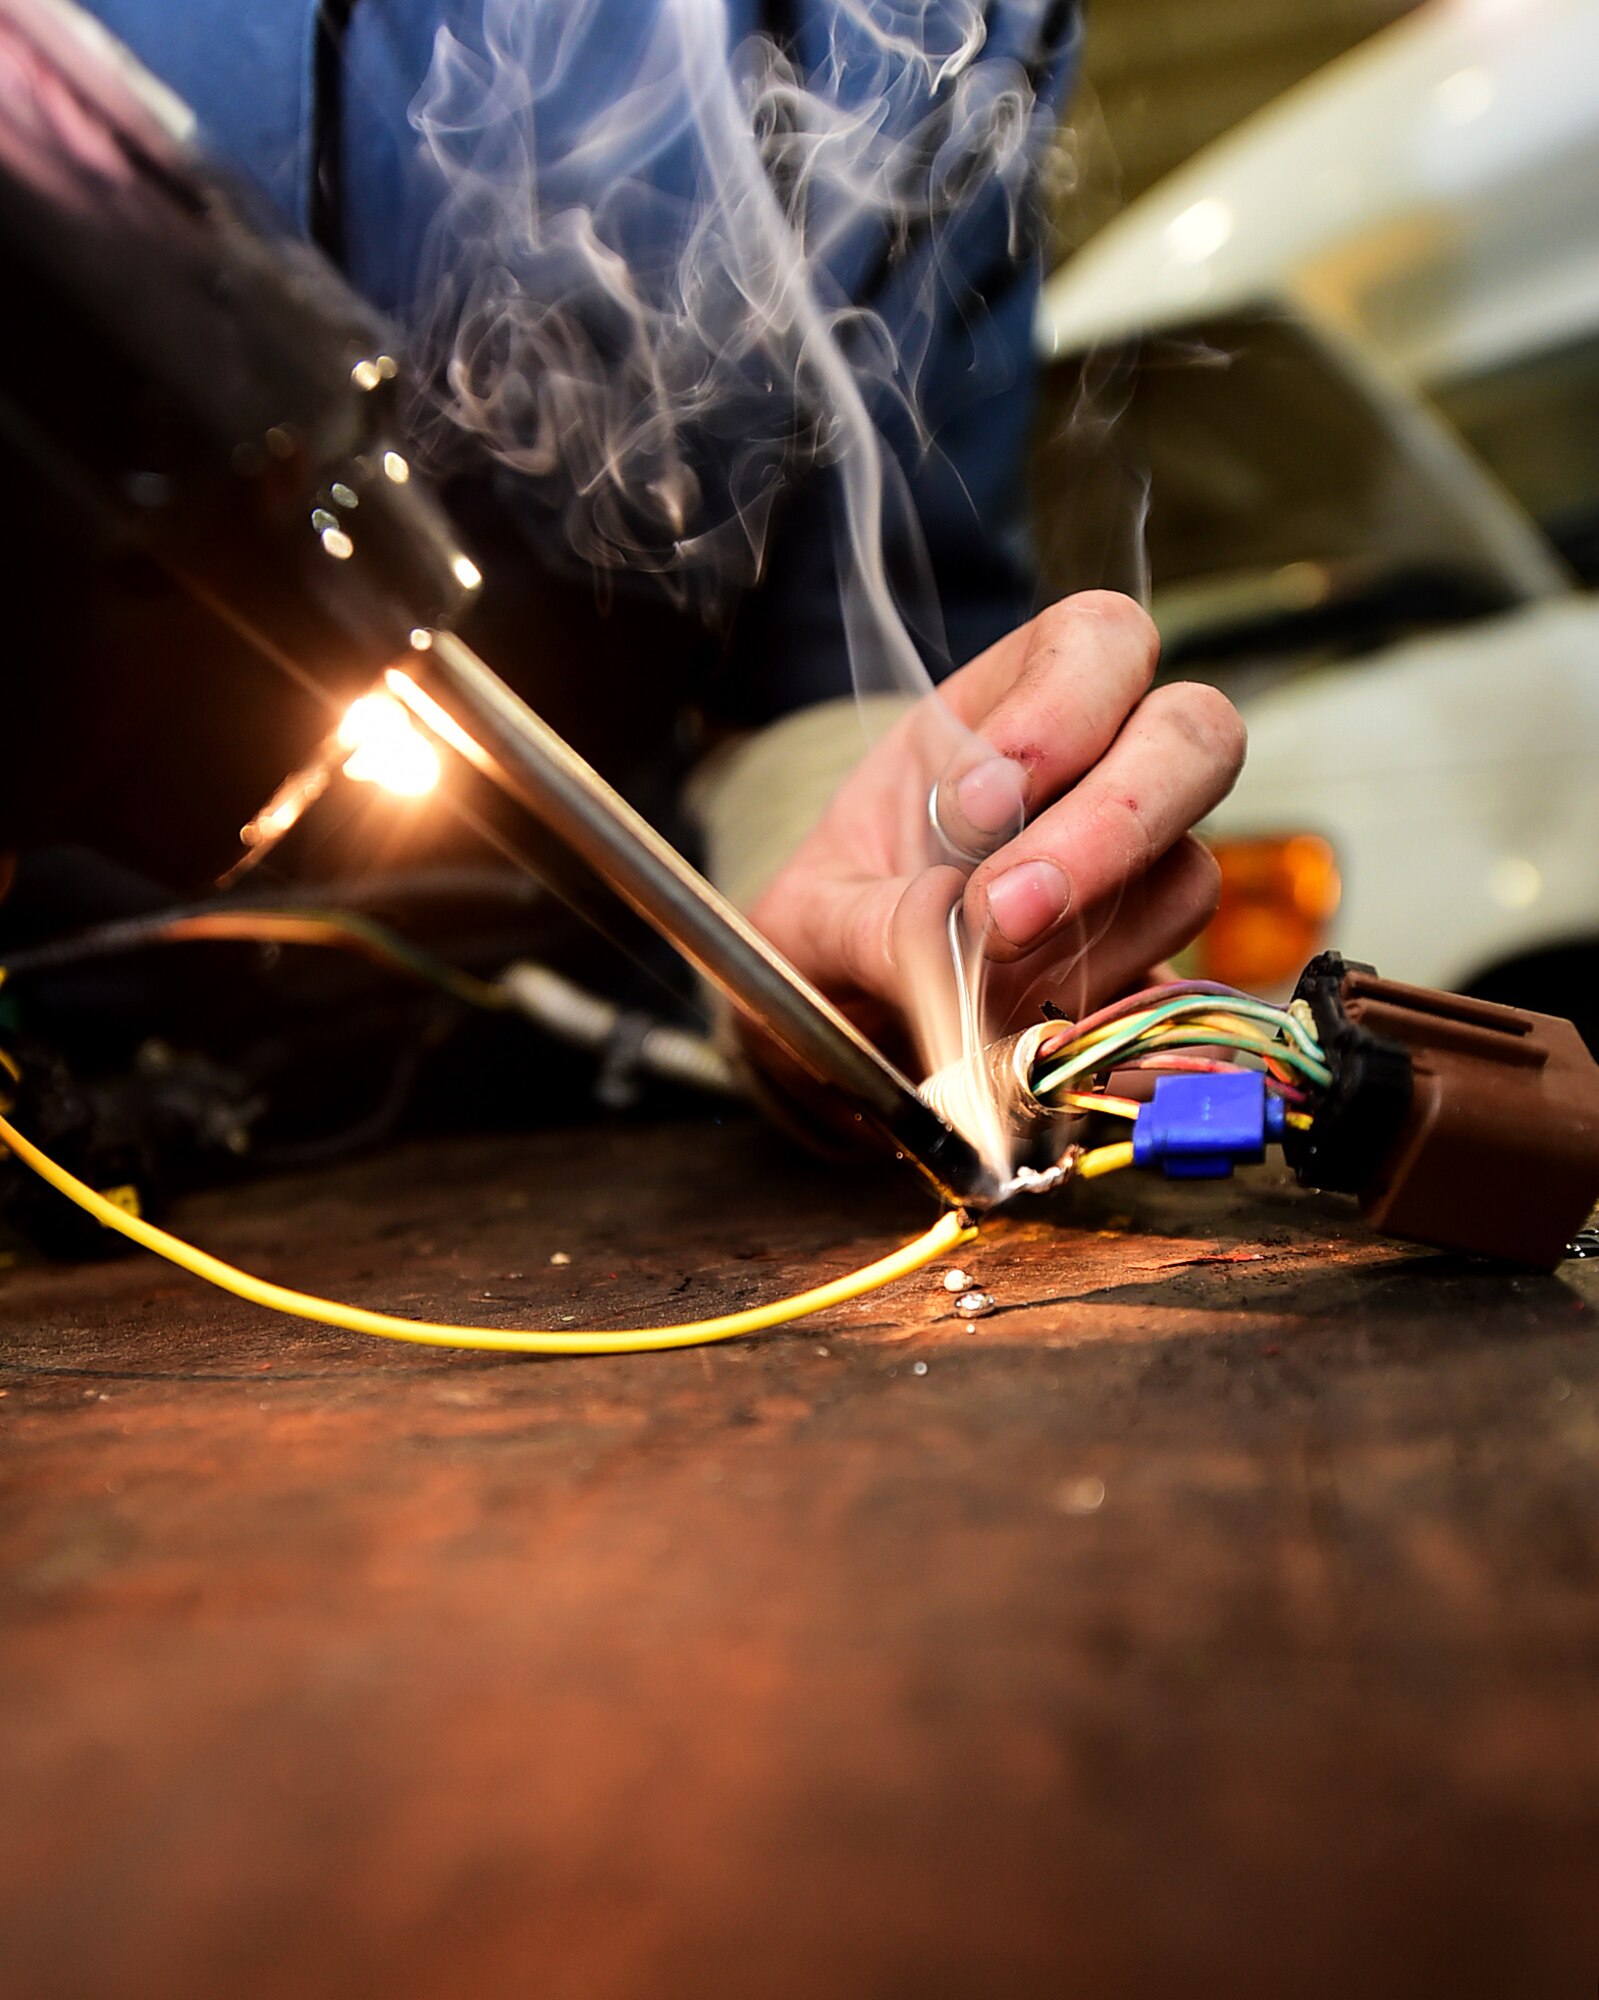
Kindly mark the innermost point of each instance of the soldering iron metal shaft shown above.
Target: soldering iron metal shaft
(569, 797)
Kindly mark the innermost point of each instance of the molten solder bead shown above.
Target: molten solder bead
(974, 1305)
(956, 1281)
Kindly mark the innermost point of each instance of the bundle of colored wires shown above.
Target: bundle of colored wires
(1190, 1025)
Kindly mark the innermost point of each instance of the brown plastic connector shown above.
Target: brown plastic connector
(1495, 1147)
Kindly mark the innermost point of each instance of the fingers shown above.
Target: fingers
(887, 952)
(887, 938)
(1174, 761)
(1045, 706)
(1110, 951)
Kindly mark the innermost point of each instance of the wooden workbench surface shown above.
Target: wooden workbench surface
(1220, 1616)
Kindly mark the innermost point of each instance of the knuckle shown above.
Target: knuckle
(1125, 623)
(1090, 662)
(1135, 835)
(1108, 614)
(1207, 720)
(868, 952)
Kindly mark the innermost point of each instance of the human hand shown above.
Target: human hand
(1068, 781)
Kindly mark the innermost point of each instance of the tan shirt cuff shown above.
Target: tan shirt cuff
(755, 799)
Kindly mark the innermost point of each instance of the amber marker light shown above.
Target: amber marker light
(1279, 894)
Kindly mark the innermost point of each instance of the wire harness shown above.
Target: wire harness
(1063, 1068)
(1225, 1076)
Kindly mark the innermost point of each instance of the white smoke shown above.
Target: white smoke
(652, 232)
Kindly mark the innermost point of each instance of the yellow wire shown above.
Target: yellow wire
(1217, 1018)
(1076, 1045)
(1093, 1100)
(1190, 1028)
(1102, 1160)
(951, 1230)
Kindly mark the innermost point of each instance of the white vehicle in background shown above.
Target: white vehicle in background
(1356, 344)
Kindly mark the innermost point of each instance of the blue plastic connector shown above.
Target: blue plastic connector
(1198, 1128)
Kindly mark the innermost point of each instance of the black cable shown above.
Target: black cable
(369, 1130)
(448, 885)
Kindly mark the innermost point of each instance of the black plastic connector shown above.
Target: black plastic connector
(1360, 1117)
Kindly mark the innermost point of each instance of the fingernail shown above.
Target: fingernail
(1027, 901)
(992, 796)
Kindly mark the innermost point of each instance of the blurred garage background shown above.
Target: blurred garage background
(1322, 383)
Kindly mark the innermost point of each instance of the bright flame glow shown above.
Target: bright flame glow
(387, 749)
(275, 821)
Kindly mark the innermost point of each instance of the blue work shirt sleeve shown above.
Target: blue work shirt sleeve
(260, 78)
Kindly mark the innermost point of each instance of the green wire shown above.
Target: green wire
(1091, 1061)
(414, 958)
(1305, 1057)
(347, 927)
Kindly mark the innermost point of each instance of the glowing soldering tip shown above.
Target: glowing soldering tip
(387, 749)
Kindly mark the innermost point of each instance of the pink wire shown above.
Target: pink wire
(1152, 996)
